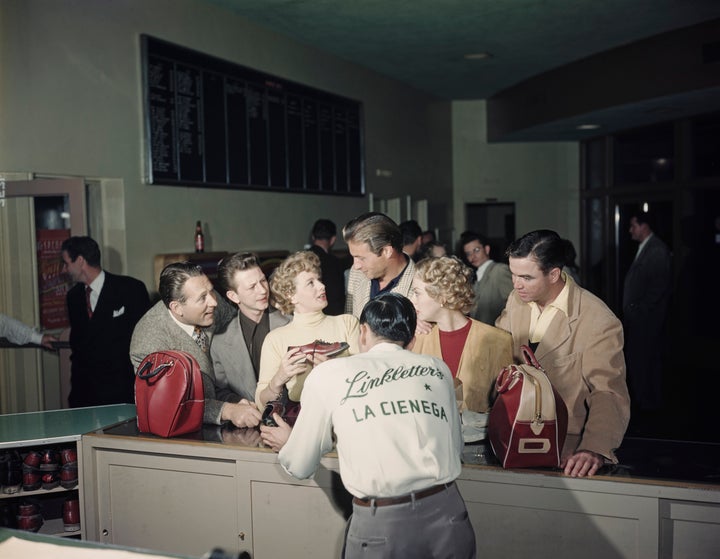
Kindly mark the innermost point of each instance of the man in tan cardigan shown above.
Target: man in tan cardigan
(579, 343)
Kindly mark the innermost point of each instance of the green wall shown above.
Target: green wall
(542, 179)
(70, 104)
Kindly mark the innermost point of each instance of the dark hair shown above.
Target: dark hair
(410, 231)
(324, 229)
(390, 316)
(644, 218)
(432, 235)
(425, 250)
(375, 229)
(544, 246)
(238, 262)
(570, 253)
(470, 236)
(82, 246)
(173, 278)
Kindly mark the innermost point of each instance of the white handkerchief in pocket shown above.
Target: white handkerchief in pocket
(119, 312)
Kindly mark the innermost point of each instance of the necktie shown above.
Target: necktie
(200, 338)
(88, 290)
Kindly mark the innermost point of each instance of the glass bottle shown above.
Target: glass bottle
(199, 238)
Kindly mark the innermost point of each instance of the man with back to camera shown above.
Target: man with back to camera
(646, 293)
(492, 279)
(103, 309)
(236, 350)
(324, 235)
(399, 442)
(578, 341)
(379, 264)
(183, 320)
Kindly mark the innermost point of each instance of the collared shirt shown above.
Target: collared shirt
(96, 287)
(188, 329)
(375, 283)
(395, 417)
(540, 320)
(254, 335)
(480, 272)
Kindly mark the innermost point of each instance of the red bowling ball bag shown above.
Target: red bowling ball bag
(169, 394)
(528, 422)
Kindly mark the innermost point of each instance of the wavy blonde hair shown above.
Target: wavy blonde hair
(282, 281)
(448, 280)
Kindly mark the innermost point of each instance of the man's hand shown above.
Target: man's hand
(275, 437)
(47, 341)
(582, 463)
(242, 414)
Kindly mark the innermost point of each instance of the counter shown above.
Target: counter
(218, 488)
(58, 426)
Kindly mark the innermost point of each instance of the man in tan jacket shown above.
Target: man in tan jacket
(579, 343)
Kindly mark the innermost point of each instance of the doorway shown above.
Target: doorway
(35, 216)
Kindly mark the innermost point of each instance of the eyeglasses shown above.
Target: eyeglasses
(468, 254)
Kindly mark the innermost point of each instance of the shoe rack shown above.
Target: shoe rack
(40, 503)
(27, 437)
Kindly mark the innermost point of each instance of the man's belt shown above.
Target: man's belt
(415, 495)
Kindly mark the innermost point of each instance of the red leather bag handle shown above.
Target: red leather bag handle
(529, 357)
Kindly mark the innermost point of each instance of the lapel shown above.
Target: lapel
(487, 275)
(101, 309)
(560, 328)
(238, 343)
(643, 255)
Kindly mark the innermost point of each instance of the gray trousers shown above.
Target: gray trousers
(434, 527)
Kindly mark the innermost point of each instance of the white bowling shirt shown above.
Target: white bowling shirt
(395, 417)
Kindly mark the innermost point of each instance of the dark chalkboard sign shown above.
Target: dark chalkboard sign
(210, 122)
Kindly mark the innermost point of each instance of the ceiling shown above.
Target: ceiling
(423, 43)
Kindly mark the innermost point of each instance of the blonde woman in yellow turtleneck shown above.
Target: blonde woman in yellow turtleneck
(297, 289)
(442, 293)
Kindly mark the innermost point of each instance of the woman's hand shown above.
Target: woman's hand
(293, 363)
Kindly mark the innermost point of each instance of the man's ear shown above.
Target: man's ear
(232, 296)
(362, 336)
(175, 308)
(555, 275)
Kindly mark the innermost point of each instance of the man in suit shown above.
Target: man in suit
(183, 320)
(324, 234)
(578, 341)
(492, 279)
(236, 350)
(646, 293)
(103, 309)
(379, 264)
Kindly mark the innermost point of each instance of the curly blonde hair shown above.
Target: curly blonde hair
(448, 280)
(282, 281)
